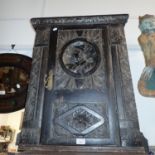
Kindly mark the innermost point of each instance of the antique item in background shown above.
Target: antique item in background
(146, 84)
(14, 79)
(6, 137)
(80, 96)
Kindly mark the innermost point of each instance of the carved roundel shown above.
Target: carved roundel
(79, 57)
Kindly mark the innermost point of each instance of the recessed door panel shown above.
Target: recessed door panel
(80, 106)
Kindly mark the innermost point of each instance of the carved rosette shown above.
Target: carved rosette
(146, 40)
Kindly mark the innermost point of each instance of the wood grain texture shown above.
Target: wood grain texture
(50, 114)
(83, 150)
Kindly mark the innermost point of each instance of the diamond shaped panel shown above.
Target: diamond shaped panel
(80, 120)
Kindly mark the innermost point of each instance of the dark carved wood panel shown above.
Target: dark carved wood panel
(97, 79)
(33, 89)
(83, 150)
(82, 120)
(79, 104)
(81, 88)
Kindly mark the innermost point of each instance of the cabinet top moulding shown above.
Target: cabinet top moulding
(82, 20)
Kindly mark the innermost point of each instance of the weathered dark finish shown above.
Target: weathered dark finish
(81, 86)
(80, 102)
(80, 20)
(14, 78)
(82, 150)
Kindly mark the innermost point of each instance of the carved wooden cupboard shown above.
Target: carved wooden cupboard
(80, 92)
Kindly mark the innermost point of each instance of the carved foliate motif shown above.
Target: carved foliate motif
(79, 58)
(116, 35)
(88, 68)
(80, 120)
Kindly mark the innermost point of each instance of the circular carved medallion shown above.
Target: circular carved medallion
(79, 57)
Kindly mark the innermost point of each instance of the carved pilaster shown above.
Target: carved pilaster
(128, 120)
(42, 36)
(31, 131)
